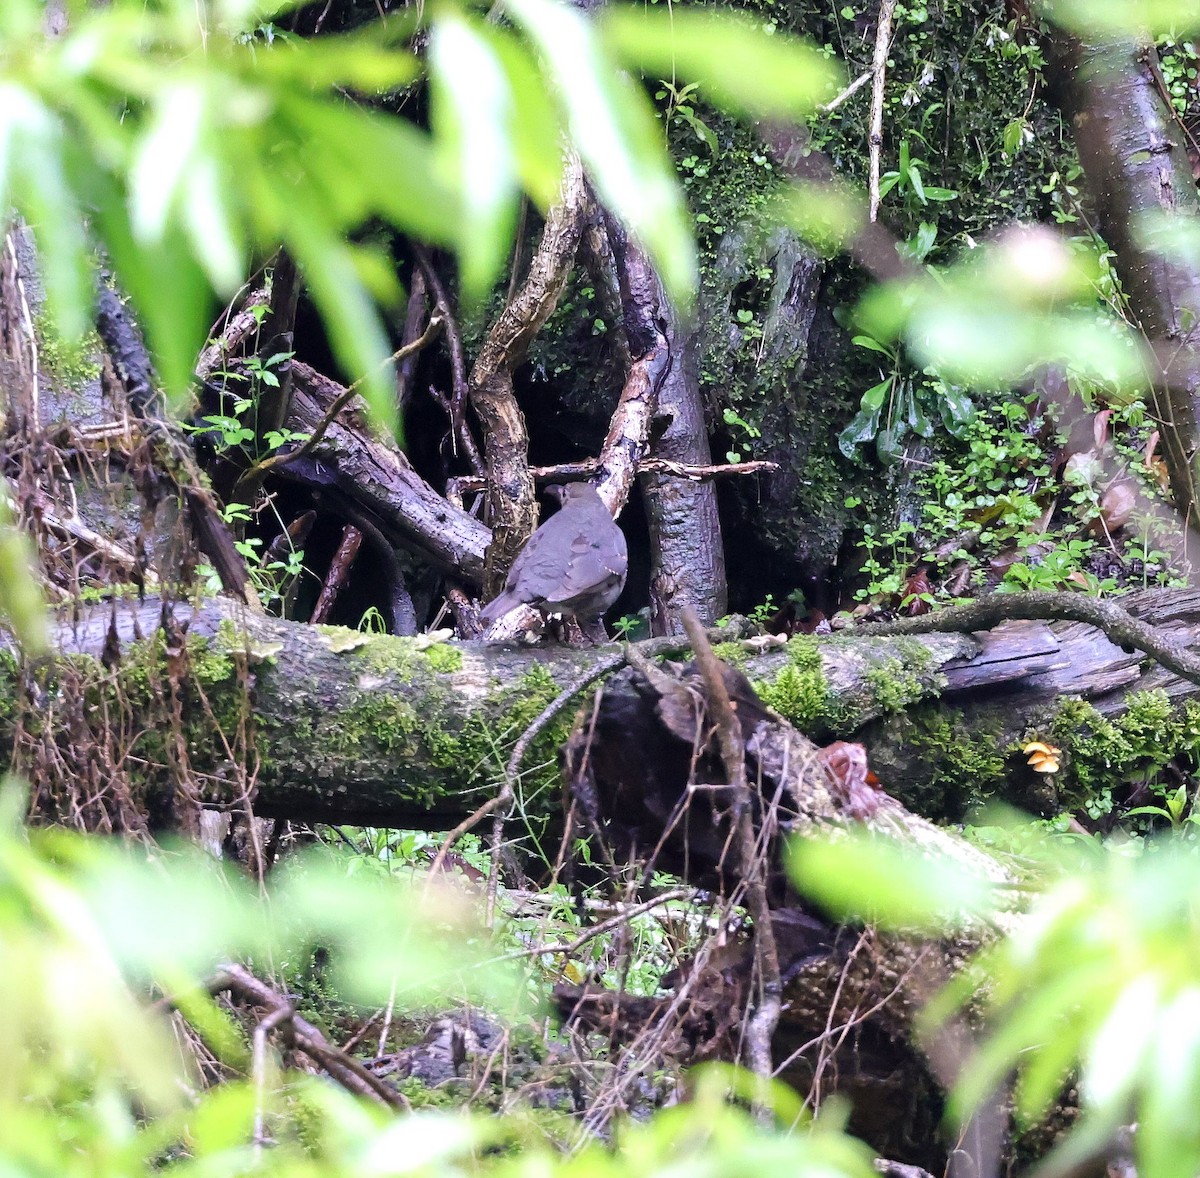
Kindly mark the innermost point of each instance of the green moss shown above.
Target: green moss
(71, 363)
(1103, 753)
(444, 657)
(800, 692)
(960, 765)
(733, 653)
(895, 685)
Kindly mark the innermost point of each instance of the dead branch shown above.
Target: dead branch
(587, 468)
(628, 436)
(760, 1027)
(506, 439)
(1110, 618)
(339, 572)
(883, 40)
(374, 474)
(461, 434)
(343, 1068)
(413, 317)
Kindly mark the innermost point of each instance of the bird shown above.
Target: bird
(574, 565)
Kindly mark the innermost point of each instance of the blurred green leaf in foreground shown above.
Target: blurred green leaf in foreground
(1098, 980)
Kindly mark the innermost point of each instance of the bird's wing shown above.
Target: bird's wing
(594, 561)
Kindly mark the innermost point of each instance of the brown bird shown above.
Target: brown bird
(573, 565)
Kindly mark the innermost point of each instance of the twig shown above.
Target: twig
(883, 37)
(281, 1014)
(586, 467)
(343, 1068)
(760, 1027)
(623, 917)
(850, 90)
(414, 313)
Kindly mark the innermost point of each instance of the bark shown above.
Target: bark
(1140, 182)
(349, 727)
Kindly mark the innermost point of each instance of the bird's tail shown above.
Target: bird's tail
(498, 607)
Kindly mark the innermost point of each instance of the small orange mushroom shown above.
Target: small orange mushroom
(1043, 758)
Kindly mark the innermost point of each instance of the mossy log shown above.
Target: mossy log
(341, 726)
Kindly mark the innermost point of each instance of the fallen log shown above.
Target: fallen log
(351, 727)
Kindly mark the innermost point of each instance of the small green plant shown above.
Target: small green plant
(740, 446)
(902, 402)
(681, 109)
(1003, 510)
(626, 626)
(1178, 808)
(766, 609)
(888, 557)
(373, 622)
(909, 182)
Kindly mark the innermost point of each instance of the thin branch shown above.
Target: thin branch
(569, 948)
(760, 1027)
(1117, 624)
(588, 467)
(850, 90)
(883, 38)
(343, 1068)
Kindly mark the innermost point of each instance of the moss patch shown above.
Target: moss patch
(956, 765)
(1103, 754)
(444, 658)
(800, 692)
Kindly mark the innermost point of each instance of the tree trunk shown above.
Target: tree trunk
(1141, 185)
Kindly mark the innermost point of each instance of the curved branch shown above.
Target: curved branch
(1115, 622)
(506, 440)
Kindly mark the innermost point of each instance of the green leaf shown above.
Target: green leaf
(46, 197)
(957, 410)
(914, 178)
(472, 115)
(355, 60)
(21, 603)
(1168, 1145)
(855, 877)
(1041, 1018)
(866, 341)
(537, 128)
(615, 132)
(1091, 18)
(735, 62)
